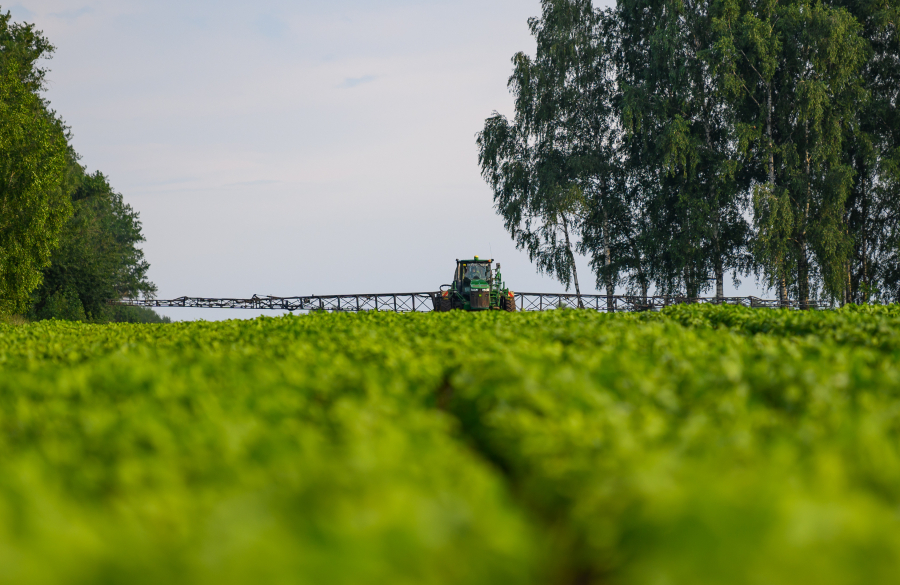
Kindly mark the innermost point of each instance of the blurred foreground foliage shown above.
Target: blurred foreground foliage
(701, 445)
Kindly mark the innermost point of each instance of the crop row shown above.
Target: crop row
(702, 445)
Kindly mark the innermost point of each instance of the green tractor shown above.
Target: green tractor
(475, 288)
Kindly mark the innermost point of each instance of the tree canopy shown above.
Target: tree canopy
(704, 138)
(68, 241)
(98, 259)
(34, 160)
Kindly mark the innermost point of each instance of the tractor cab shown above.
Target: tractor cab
(473, 271)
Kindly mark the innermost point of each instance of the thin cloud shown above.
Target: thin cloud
(72, 14)
(354, 81)
(172, 181)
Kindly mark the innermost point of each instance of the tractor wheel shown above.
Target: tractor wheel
(509, 304)
(444, 304)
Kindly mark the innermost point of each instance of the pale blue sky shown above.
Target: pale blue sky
(288, 148)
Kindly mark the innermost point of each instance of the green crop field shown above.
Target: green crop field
(700, 445)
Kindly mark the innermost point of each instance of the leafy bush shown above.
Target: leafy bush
(64, 305)
(14, 320)
(130, 314)
(98, 259)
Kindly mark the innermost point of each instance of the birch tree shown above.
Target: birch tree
(792, 72)
(548, 167)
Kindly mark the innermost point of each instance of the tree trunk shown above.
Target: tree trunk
(719, 264)
(720, 279)
(846, 300)
(644, 285)
(565, 224)
(610, 306)
(803, 260)
(771, 143)
(782, 285)
(717, 228)
(779, 264)
(689, 283)
(865, 248)
(803, 275)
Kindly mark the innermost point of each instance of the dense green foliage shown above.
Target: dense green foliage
(130, 314)
(68, 241)
(675, 122)
(98, 259)
(540, 163)
(701, 445)
(34, 160)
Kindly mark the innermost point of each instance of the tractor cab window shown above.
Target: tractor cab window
(478, 271)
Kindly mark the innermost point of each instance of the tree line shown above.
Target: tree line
(68, 241)
(673, 142)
